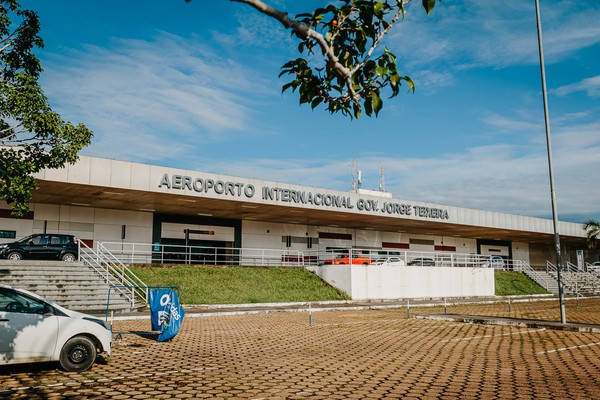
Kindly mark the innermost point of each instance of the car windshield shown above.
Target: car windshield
(17, 302)
(26, 239)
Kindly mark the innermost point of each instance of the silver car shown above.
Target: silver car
(33, 329)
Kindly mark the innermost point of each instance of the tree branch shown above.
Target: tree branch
(307, 32)
(381, 35)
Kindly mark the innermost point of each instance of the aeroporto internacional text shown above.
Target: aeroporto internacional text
(277, 194)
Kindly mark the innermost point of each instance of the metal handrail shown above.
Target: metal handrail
(570, 267)
(144, 253)
(123, 273)
(111, 274)
(533, 274)
(566, 281)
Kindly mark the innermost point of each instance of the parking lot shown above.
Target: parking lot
(352, 354)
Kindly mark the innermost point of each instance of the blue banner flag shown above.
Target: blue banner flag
(166, 314)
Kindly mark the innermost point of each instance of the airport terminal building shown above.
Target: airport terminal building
(102, 200)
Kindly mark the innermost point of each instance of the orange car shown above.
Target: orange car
(343, 259)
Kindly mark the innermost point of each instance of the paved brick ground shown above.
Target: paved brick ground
(343, 355)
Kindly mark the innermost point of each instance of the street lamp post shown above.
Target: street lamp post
(561, 298)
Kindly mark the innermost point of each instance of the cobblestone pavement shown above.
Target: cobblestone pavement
(351, 354)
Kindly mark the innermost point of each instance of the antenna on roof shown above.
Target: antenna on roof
(353, 174)
(381, 179)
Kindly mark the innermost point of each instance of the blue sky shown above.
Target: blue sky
(195, 86)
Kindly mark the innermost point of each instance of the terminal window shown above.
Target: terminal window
(8, 234)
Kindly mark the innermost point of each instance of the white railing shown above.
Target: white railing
(114, 272)
(570, 267)
(574, 280)
(539, 278)
(569, 284)
(145, 253)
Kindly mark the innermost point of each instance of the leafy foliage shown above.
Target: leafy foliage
(592, 227)
(353, 75)
(32, 136)
(352, 30)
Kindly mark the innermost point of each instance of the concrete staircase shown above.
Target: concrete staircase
(544, 279)
(581, 283)
(72, 285)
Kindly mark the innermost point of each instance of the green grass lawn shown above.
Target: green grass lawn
(516, 283)
(239, 285)
(243, 285)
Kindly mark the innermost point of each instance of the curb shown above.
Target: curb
(521, 323)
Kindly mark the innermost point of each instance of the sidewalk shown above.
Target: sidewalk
(199, 310)
(211, 310)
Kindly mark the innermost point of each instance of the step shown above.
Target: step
(75, 286)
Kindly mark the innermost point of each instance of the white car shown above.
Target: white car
(496, 262)
(595, 267)
(390, 261)
(33, 329)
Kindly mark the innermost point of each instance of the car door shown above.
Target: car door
(37, 247)
(56, 244)
(28, 330)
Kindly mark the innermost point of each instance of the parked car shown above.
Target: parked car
(33, 329)
(44, 246)
(426, 262)
(594, 267)
(344, 259)
(390, 261)
(496, 262)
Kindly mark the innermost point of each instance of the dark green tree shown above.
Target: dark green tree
(354, 73)
(592, 228)
(32, 136)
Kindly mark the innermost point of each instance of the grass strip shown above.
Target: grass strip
(516, 283)
(239, 285)
(247, 285)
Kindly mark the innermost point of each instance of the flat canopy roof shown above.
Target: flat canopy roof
(88, 195)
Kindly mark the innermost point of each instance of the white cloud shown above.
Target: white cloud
(158, 93)
(591, 86)
(431, 81)
(501, 177)
(476, 33)
(509, 124)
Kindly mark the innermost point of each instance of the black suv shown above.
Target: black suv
(47, 246)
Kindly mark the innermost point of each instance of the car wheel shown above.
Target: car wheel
(14, 256)
(68, 257)
(78, 354)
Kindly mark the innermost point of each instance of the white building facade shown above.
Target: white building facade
(102, 200)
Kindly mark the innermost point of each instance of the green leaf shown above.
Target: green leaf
(428, 5)
(316, 101)
(410, 83)
(378, 9)
(381, 71)
(356, 109)
(377, 103)
(287, 86)
(368, 106)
